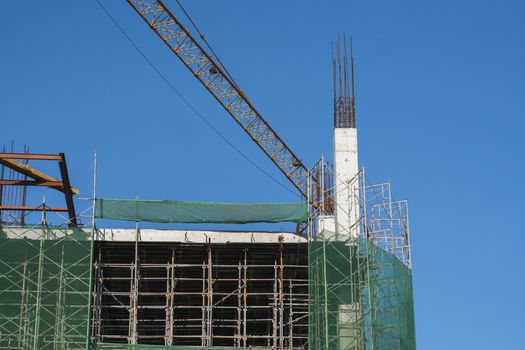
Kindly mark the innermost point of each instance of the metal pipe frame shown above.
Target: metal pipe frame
(201, 294)
(380, 239)
(46, 274)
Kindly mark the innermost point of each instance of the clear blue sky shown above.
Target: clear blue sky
(440, 88)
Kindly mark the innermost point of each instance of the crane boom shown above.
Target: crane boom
(214, 78)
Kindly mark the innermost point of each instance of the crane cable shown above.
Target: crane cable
(208, 123)
(207, 43)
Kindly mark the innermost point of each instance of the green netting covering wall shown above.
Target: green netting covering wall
(199, 212)
(44, 288)
(360, 297)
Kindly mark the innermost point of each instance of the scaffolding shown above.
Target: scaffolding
(200, 295)
(360, 281)
(68, 288)
(45, 276)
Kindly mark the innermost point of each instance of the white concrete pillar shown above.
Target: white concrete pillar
(346, 168)
(326, 226)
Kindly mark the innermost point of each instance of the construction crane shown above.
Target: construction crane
(215, 78)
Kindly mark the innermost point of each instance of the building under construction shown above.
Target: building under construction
(341, 280)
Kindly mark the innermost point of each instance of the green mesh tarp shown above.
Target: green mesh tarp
(44, 288)
(360, 297)
(166, 211)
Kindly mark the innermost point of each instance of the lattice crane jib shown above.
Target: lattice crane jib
(216, 80)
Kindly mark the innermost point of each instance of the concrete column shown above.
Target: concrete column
(346, 168)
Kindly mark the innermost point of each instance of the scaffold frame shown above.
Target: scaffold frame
(360, 279)
(45, 274)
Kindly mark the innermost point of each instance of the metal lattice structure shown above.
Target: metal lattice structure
(215, 79)
(236, 295)
(360, 282)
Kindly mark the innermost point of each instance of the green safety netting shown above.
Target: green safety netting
(44, 288)
(360, 297)
(167, 211)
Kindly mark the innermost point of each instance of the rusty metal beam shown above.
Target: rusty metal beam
(25, 208)
(38, 178)
(32, 173)
(32, 156)
(67, 190)
(31, 183)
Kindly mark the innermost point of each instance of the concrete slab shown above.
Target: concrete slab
(199, 236)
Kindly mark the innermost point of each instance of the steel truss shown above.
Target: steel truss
(216, 80)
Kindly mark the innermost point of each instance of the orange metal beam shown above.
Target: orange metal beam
(33, 156)
(31, 183)
(32, 173)
(41, 208)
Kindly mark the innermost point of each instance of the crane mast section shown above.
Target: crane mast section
(219, 84)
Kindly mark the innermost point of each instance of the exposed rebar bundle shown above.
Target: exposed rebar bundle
(344, 97)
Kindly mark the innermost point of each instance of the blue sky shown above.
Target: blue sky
(440, 90)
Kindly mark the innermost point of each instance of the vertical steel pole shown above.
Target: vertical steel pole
(210, 296)
(91, 247)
